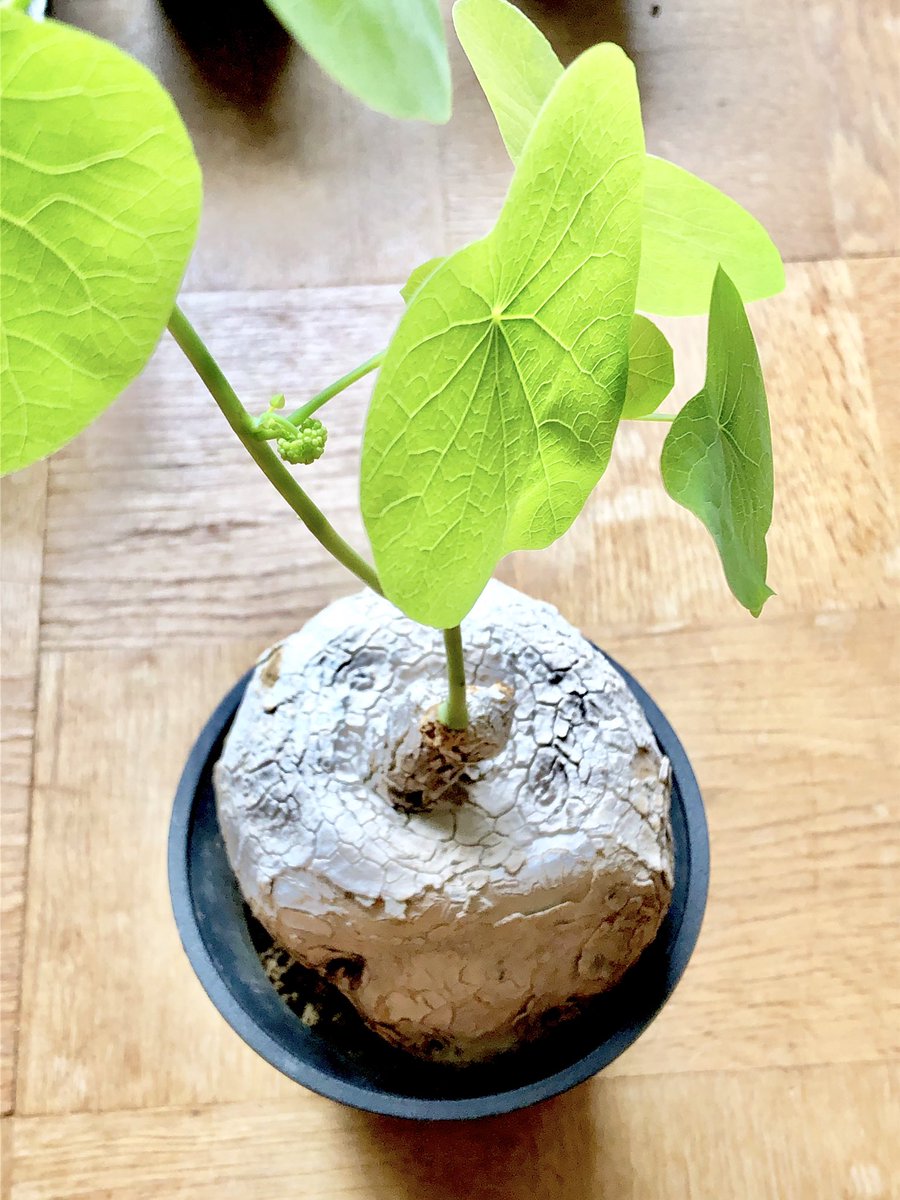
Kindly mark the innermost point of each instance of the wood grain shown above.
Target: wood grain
(112, 1014)
(860, 42)
(145, 570)
(833, 542)
(876, 282)
(792, 968)
(185, 539)
(22, 513)
(190, 539)
(799, 1134)
(736, 92)
(785, 724)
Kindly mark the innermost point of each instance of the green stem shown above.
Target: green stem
(657, 417)
(454, 712)
(262, 453)
(311, 406)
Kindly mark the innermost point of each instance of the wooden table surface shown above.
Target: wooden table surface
(145, 566)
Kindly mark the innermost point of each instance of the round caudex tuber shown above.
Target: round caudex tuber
(462, 888)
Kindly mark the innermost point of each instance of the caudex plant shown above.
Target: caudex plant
(482, 842)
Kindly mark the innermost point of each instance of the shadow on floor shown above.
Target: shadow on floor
(572, 26)
(545, 1151)
(238, 48)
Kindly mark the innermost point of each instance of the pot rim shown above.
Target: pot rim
(291, 1064)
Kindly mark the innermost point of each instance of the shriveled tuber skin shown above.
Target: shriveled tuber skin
(458, 888)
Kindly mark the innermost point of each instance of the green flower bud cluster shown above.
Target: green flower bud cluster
(306, 444)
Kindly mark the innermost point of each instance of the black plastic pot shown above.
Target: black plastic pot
(218, 934)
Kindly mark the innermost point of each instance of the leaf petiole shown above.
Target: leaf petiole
(306, 410)
(654, 417)
(454, 712)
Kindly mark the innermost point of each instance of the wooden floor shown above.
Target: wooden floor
(147, 565)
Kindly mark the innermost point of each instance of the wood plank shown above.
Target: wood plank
(6, 1150)
(23, 508)
(751, 1134)
(160, 529)
(854, 49)
(876, 282)
(169, 563)
(785, 722)
(302, 184)
(112, 1013)
(833, 543)
(305, 186)
(797, 963)
(160, 502)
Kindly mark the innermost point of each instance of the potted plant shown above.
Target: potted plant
(436, 855)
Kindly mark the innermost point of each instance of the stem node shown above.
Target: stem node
(262, 453)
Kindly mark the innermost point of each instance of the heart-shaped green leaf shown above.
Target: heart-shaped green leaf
(515, 64)
(391, 54)
(419, 275)
(689, 227)
(101, 197)
(494, 413)
(717, 457)
(651, 369)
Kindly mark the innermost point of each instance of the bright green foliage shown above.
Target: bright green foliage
(101, 197)
(717, 457)
(688, 225)
(389, 53)
(651, 369)
(515, 64)
(306, 444)
(494, 413)
(689, 229)
(418, 277)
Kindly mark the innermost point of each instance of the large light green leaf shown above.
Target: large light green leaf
(389, 53)
(494, 413)
(717, 457)
(419, 275)
(515, 64)
(101, 197)
(651, 369)
(689, 227)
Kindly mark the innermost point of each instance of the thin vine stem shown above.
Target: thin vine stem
(656, 417)
(306, 410)
(262, 453)
(454, 712)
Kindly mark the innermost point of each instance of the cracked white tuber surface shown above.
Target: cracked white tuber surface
(536, 878)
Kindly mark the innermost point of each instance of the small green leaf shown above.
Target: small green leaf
(495, 410)
(690, 228)
(651, 369)
(717, 457)
(101, 197)
(391, 54)
(515, 64)
(419, 275)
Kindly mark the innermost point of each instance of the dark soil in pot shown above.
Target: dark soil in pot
(305, 1028)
